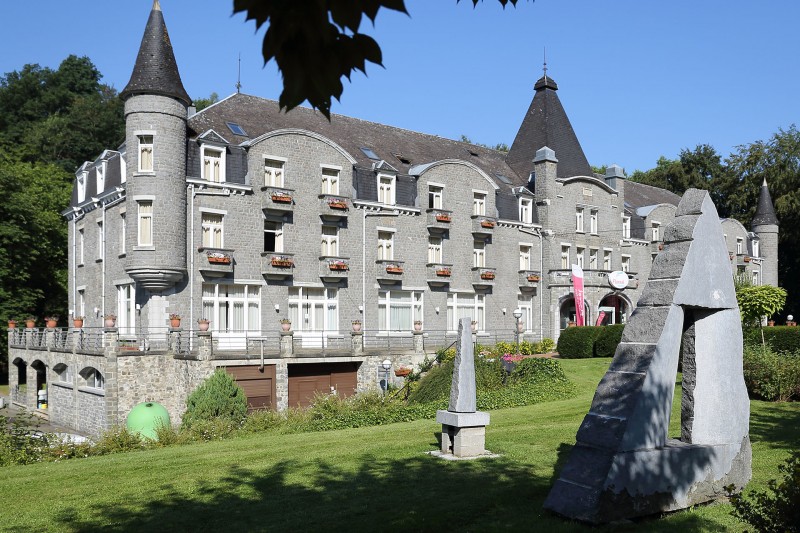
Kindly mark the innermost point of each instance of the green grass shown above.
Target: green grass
(362, 479)
(3, 390)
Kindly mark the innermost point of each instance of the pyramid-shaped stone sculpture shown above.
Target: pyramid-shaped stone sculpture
(623, 464)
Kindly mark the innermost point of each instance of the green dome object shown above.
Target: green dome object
(145, 417)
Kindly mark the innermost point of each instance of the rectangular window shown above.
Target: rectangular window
(213, 165)
(606, 259)
(123, 233)
(739, 246)
(397, 310)
(756, 250)
(212, 230)
(81, 246)
(479, 204)
(101, 177)
(81, 180)
(385, 245)
(273, 236)
(330, 241)
(273, 173)
(313, 309)
(524, 257)
(461, 305)
(565, 263)
(579, 252)
(755, 278)
(94, 379)
(479, 254)
(626, 227)
(593, 258)
(525, 210)
(146, 153)
(126, 309)
(81, 303)
(435, 197)
(626, 263)
(232, 308)
(525, 304)
(435, 250)
(145, 223)
(386, 189)
(656, 231)
(579, 220)
(101, 240)
(593, 222)
(330, 181)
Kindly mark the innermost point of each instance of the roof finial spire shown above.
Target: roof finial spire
(239, 75)
(544, 54)
(156, 5)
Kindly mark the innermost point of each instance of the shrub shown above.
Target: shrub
(435, 386)
(545, 345)
(606, 343)
(771, 376)
(533, 370)
(578, 342)
(118, 439)
(218, 397)
(21, 442)
(780, 338)
(778, 512)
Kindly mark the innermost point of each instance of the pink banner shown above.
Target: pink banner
(577, 287)
(600, 318)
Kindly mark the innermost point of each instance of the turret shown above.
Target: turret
(155, 136)
(765, 226)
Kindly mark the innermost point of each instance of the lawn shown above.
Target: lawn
(3, 390)
(359, 479)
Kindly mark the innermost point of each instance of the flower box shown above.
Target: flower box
(337, 204)
(443, 272)
(394, 269)
(533, 277)
(219, 260)
(487, 224)
(487, 275)
(282, 198)
(338, 265)
(443, 218)
(746, 259)
(282, 262)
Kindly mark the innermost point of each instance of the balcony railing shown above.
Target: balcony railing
(215, 261)
(333, 268)
(483, 225)
(439, 274)
(334, 206)
(389, 271)
(591, 278)
(277, 265)
(439, 220)
(278, 199)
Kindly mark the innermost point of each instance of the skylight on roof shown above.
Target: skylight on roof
(403, 159)
(236, 129)
(472, 153)
(504, 179)
(369, 153)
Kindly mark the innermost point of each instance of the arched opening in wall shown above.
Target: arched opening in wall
(41, 384)
(92, 378)
(64, 373)
(614, 310)
(22, 374)
(567, 313)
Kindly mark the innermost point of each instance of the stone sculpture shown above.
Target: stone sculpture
(463, 427)
(623, 464)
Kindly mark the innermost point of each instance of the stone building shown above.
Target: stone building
(244, 215)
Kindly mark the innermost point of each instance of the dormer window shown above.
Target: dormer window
(101, 177)
(479, 203)
(386, 193)
(756, 250)
(145, 153)
(330, 180)
(213, 164)
(626, 227)
(273, 172)
(81, 181)
(525, 210)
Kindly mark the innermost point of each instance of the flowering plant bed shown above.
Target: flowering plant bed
(443, 272)
(443, 218)
(487, 224)
(282, 198)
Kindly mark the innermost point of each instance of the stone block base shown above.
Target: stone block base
(464, 442)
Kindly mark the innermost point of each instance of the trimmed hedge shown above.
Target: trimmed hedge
(606, 343)
(779, 338)
(771, 376)
(577, 342)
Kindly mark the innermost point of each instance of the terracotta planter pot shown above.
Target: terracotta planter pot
(51, 324)
(204, 325)
(174, 322)
(30, 324)
(110, 322)
(12, 324)
(78, 322)
(357, 327)
(402, 372)
(417, 326)
(286, 326)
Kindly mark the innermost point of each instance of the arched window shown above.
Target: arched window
(93, 378)
(64, 373)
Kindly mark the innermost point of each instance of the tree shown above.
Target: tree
(759, 301)
(202, 103)
(316, 43)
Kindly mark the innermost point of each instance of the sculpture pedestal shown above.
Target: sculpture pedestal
(463, 434)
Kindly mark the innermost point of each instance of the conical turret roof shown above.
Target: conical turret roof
(156, 71)
(546, 124)
(765, 211)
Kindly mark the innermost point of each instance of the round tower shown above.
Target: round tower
(765, 226)
(155, 139)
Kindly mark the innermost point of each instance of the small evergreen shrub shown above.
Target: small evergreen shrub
(534, 370)
(606, 343)
(545, 345)
(771, 376)
(219, 397)
(780, 338)
(577, 342)
(778, 512)
(435, 386)
(119, 439)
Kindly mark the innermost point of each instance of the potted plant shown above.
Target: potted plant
(394, 268)
(356, 325)
(402, 372)
(442, 217)
(110, 320)
(12, 324)
(281, 198)
(337, 203)
(487, 224)
(533, 277)
(30, 322)
(203, 324)
(286, 324)
(487, 274)
(174, 320)
(445, 272)
(51, 321)
(418, 325)
(77, 321)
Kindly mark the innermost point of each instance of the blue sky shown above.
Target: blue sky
(638, 78)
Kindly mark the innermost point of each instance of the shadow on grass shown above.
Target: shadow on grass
(421, 493)
(775, 423)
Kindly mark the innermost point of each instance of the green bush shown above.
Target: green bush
(118, 439)
(534, 370)
(778, 512)
(219, 397)
(21, 442)
(577, 342)
(771, 376)
(435, 386)
(606, 343)
(780, 338)
(545, 345)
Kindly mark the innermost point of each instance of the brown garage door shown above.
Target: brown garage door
(258, 385)
(307, 379)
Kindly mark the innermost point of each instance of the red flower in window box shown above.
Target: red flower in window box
(442, 217)
(533, 277)
(219, 258)
(337, 203)
(338, 265)
(394, 269)
(282, 262)
(487, 275)
(445, 272)
(282, 198)
(487, 224)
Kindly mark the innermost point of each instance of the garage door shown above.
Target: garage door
(258, 385)
(305, 380)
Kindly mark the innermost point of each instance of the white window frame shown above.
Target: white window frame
(329, 301)
(143, 237)
(100, 173)
(81, 303)
(739, 246)
(435, 250)
(212, 231)
(94, 379)
(275, 171)
(756, 248)
(565, 253)
(476, 307)
(525, 304)
(146, 144)
(626, 227)
(525, 256)
(579, 212)
(81, 246)
(607, 259)
(386, 303)
(65, 374)
(579, 253)
(330, 176)
(207, 159)
(123, 234)
(593, 258)
(479, 254)
(329, 240)
(756, 280)
(385, 244)
(101, 239)
(387, 185)
(81, 181)
(435, 196)
(526, 210)
(479, 203)
(656, 228)
(220, 307)
(625, 263)
(126, 309)
(593, 215)
(278, 232)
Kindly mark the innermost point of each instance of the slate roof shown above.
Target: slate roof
(639, 195)
(400, 148)
(765, 211)
(546, 124)
(156, 71)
